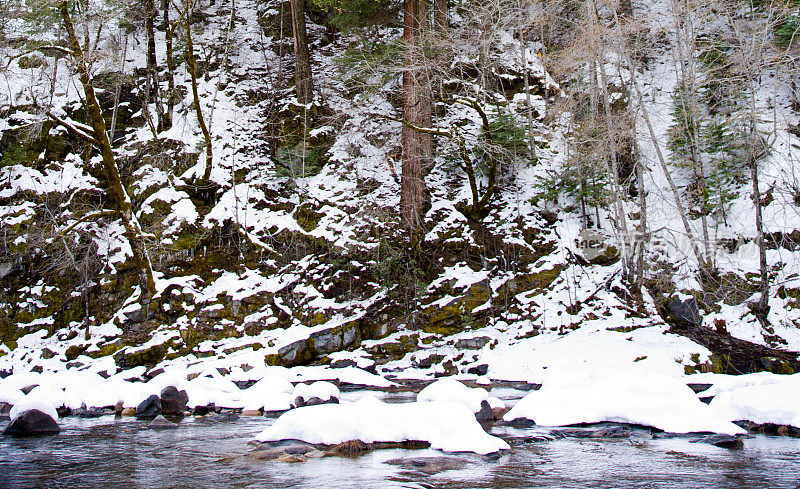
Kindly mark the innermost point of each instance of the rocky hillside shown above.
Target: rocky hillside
(293, 250)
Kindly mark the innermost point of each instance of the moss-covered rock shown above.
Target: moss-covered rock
(307, 217)
(75, 351)
(456, 316)
(317, 345)
(148, 357)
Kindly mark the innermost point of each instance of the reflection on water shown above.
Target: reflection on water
(108, 453)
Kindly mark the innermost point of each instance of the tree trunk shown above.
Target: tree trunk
(117, 192)
(168, 37)
(417, 146)
(190, 61)
(152, 66)
(303, 82)
(762, 307)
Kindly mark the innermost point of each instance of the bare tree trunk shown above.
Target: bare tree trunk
(190, 62)
(168, 37)
(417, 146)
(762, 307)
(663, 163)
(686, 49)
(303, 81)
(117, 192)
(152, 65)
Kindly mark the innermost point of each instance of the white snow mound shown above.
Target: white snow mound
(451, 390)
(774, 401)
(272, 393)
(320, 389)
(635, 397)
(446, 426)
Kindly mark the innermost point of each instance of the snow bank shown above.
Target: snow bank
(450, 390)
(635, 397)
(590, 348)
(724, 382)
(446, 426)
(774, 400)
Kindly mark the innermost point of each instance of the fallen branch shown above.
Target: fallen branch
(84, 218)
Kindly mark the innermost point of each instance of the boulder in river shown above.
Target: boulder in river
(722, 441)
(429, 465)
(485, 413)
(161, 423)
(173, 401)
(32, 423)
(203, 410)
(149, 408)
(84, 412)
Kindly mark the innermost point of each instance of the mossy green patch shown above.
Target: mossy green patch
(75, 351)
(307, 217)
(456, 316)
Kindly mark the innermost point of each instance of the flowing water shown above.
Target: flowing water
(121, 453)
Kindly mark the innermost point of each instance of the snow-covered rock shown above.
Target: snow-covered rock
(446, 426)
(272, 393)
(451, 390)
(324, 391)
(622, 396)
(774, 400)
(29, 405)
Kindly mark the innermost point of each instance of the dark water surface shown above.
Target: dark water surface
(107, 453)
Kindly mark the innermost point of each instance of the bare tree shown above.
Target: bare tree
(191, 65)
(97, 136)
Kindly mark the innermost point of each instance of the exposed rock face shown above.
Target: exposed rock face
(684, 311)
(594, 248)
(318, 344)
(473, 343)
(32, 423)
(481, 369)
(173, 401)
(149, 408)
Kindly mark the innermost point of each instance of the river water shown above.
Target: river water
(122, 453)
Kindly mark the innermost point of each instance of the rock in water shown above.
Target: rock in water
(173, 401)
(722, 441)
(485, 414)
(32, 423)
(149, 408)
(162, 423)
(429, 465)
(83, 412)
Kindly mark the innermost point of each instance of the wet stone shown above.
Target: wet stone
(162, 423)
(149, 408)
(32, 423)
(430, 465)
(722, 441)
